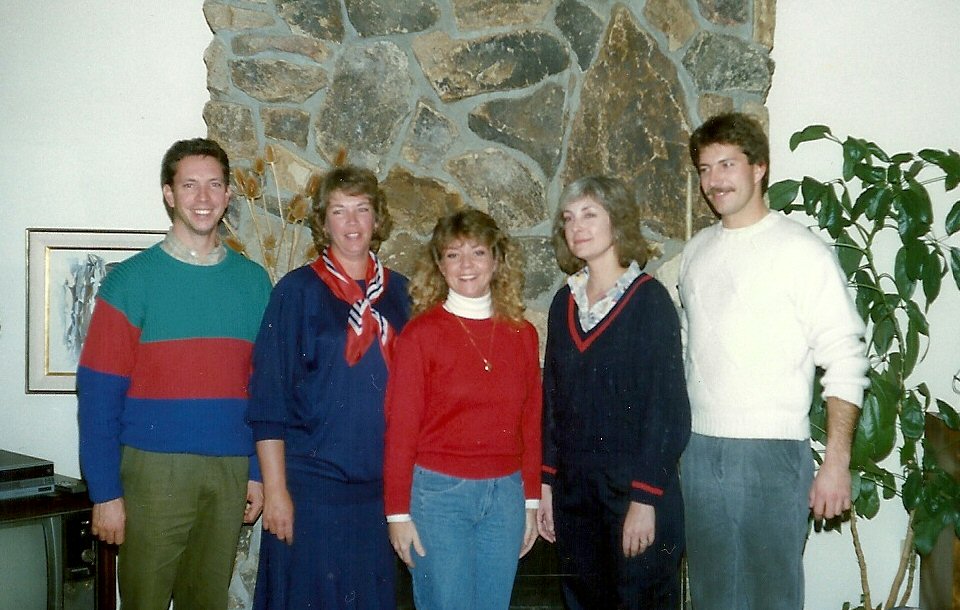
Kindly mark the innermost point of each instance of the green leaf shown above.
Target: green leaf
(915, 212)
(818, 411)
(908, 453)
(911, 490)
(911, 418)
(948, 161)
(830, 216)
(952, 224)
(879, 207)
(927, 526)
(911, 349)
(845, 200)
(914, 170)
(812, 191)
(948, 415)
(808, 134)
(876, 431)
(894, 174)
(877, 152)
(854, 151)
(955, 265)
(868, 502)
(883, 333)
(917, 318)
(932, 276)
(916, 255)
(869, 173)
(920, 199)
(868, 201)
(849, 254)
(783, 193)
(909, 227)
(901, 275)
(854, 485)
(888, 485)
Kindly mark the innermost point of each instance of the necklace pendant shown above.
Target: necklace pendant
(487, 366)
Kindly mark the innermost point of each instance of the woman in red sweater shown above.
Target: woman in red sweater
(461, 470)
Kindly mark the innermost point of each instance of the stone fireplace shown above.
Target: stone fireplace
(495, 104)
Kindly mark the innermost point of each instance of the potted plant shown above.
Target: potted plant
(884, 198)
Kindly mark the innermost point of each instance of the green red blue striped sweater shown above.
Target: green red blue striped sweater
(166, 362)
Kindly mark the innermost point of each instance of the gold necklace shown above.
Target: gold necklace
(487, 366)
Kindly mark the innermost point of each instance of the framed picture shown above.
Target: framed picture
(64, 272)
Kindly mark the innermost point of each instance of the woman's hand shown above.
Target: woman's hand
(402, 535)
(254, 502)
(278, 514)
(529, 531)
(639, 529)
(545, 514)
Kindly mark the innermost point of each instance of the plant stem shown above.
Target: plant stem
(861, 561)
(256, 226)
(905, 555)
(283, 217)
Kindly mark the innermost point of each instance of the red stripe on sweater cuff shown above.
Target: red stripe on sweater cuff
(549, 469)
(647, 488)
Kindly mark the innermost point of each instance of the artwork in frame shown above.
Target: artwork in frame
(64, 271)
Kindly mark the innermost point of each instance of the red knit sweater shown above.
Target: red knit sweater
(447, 414)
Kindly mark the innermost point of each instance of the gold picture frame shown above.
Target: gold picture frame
(64, 271)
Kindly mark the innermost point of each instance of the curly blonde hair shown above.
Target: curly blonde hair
(613, 195)
(429, 288)
(354, 181)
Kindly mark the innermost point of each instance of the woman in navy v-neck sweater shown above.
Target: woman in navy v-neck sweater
(616, 415)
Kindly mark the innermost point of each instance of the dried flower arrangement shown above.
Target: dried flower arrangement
(277, 234)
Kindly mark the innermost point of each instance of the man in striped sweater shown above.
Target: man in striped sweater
(162, 392)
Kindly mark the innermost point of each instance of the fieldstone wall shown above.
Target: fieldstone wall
(495, 104)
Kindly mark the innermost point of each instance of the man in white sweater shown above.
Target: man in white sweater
(764, 303)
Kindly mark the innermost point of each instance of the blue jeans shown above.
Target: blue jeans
(746, 507)
(472, 531)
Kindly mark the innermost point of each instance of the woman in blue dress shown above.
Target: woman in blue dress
(321, 362)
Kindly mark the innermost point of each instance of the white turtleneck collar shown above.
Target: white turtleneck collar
(473, 308)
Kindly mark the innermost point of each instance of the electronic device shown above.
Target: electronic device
(48, 554)
(22, 476)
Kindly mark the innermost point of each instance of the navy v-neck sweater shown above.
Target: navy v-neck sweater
(615, 397)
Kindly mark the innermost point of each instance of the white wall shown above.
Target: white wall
(91, 97)
(880, 70)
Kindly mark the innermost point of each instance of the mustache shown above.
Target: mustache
(719, 189)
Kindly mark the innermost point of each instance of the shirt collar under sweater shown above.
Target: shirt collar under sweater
(473, 308)
(178, 250)
(591, 316)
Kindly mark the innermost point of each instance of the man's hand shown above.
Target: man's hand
(109, 521)
(830, 492)
(529, 531)
(545, 514)
(402, 535)
(278, 514)
(254, 502)
(639, 529)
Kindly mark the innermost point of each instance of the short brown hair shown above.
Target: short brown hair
(737, 129)
(613, 195)
(197, 147)
(353, 181)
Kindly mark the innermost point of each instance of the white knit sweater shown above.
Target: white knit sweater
(762, 306)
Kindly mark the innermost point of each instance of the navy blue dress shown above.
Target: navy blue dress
(330, 417)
